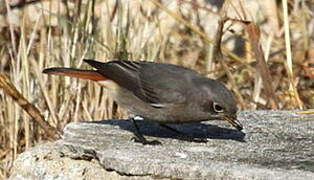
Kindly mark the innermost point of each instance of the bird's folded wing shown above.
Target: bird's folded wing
(158, 84)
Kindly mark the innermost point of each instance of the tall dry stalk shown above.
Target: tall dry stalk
(292, 87)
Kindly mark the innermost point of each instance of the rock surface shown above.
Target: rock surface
(273, 145)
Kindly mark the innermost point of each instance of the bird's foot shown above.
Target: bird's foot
(139, 138)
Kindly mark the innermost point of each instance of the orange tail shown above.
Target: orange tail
(78, 73)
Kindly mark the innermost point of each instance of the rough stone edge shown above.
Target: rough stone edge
(47, 161)
(52, 161)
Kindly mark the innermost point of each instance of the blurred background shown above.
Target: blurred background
(36, 34)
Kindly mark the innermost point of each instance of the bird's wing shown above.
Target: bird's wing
(154, 83)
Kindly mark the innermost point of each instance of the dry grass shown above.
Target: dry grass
(52, 33)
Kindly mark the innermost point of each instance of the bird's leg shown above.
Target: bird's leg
(183, 135)
(140, 138)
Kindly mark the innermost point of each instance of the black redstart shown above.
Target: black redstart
(162, 93)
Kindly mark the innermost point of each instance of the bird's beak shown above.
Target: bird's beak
(232, 119)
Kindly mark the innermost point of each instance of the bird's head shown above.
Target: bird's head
(219, 102)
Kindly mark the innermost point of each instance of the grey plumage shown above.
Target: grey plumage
(175, 94)
(158, 92)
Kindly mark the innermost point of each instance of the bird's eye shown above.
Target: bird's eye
(218, 108)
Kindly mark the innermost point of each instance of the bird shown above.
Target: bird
(159, 92)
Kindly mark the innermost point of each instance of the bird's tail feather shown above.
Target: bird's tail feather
(77, 73)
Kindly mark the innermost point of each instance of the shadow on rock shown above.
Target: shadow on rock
(196, 130)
